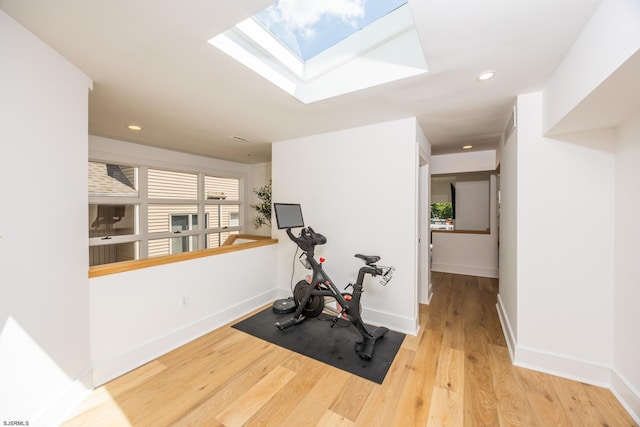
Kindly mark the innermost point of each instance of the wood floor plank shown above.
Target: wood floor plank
(577, 403)
(316, 402)
(106, 415)
(212, 340)
(102, 400)
(416, 393)
(454, 320)
(438, 307)
(411, 342)
(226, 387)
(283, 403)
(208, 374)
(158, 405)
(383, 400)
(608, 406)
(450, 370)
(446, 408)
(479, 395)
(250, 402)
(513, 407)
(490, 320)
(201, 416)
(541, 395)
(456, 371)
(352, 397)
(331, 419)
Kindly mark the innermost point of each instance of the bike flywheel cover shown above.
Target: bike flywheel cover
(284, 306)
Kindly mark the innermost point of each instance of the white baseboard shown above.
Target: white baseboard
(543, 361)
(426, 298)
(282, 293)
(406, 325)
(468, 270)
(627, 395)
(403, 324)
(562, 366)
(510, 337)
(62, 408)
(570, 368)
(104, 371)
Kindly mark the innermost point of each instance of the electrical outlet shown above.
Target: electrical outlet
(184, 301)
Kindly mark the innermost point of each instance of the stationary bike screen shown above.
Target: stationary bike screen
(288, 215)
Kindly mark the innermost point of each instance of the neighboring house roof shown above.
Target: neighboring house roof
(111, 179)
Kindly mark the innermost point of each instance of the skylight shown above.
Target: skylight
(335, 46)
(308, 27)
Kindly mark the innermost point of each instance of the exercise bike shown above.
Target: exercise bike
(308, 295)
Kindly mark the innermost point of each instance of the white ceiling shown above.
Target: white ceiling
(151, 65)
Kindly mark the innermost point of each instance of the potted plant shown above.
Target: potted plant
(263, 207)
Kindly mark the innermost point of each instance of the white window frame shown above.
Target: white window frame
(141, 203)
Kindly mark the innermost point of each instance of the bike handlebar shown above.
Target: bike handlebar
(308, 238)
(387, 275)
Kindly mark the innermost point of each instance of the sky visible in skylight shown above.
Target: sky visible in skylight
(309, 27)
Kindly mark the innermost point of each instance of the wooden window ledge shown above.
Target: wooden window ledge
(463, 231)
(228, 246)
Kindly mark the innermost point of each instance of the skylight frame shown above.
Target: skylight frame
(335, 71)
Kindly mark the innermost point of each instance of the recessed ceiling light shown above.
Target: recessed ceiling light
(134, 127)
(486, 76)
(467, 147)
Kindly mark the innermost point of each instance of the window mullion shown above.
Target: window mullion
(202, 225)
(112, 240)
(113, 200)
(143, 211)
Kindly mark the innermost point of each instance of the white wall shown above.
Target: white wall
(441, 190)
(139, 315)
(44, 292)
(626, 332)
(508, 235)
(565, 248)
(358, 187)
(425, 288)
(473, 202)
(473, 161)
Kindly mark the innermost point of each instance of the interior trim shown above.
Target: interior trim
(227, 246)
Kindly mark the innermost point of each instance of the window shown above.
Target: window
(222, 210)
(312, 49)
(442, 216)
(138, 212)
(113, 212)
(307, 30)
(461, 202)
(180, 223)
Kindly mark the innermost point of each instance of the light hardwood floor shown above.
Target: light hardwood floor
(456, 372)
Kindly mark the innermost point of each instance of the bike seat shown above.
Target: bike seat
(368, 259)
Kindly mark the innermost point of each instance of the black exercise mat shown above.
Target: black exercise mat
(333, 346)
